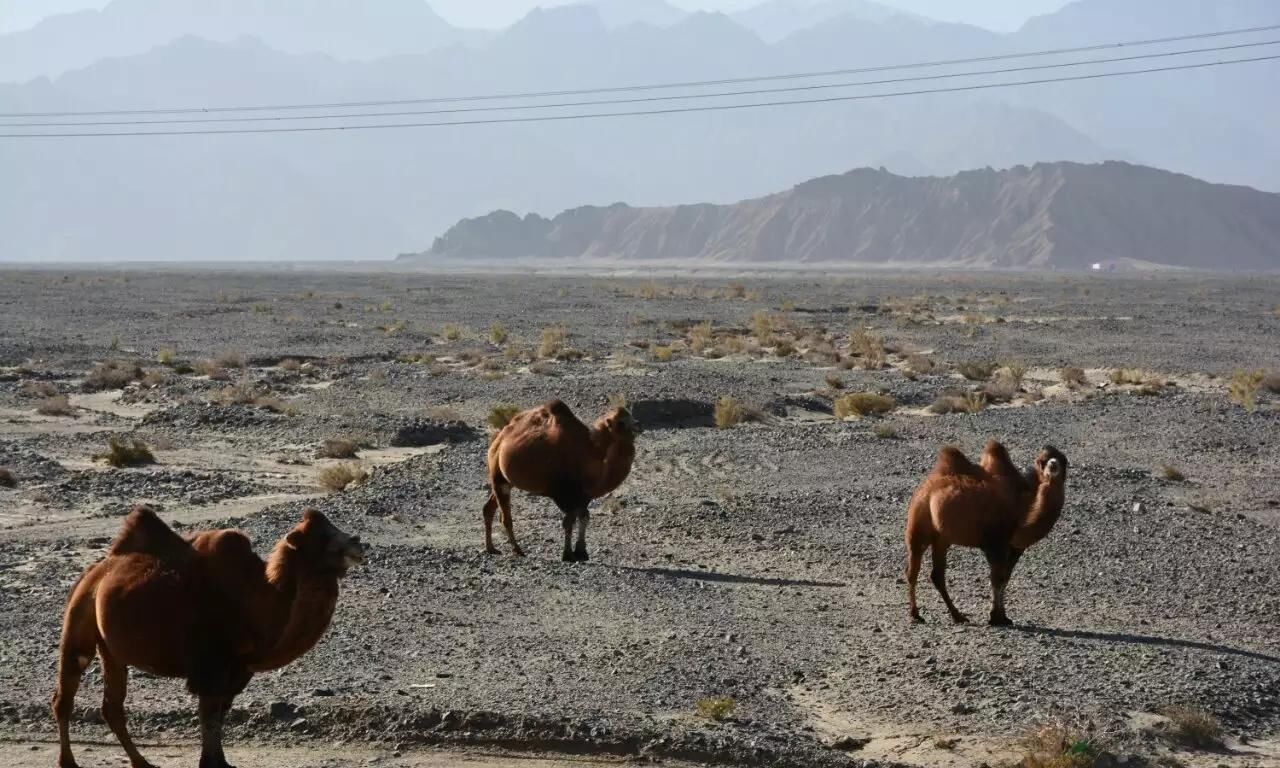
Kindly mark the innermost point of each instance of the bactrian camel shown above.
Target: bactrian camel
(990, 506)
(547, 451)
(203, 608)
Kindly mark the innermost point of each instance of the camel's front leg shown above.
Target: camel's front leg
(567, 521)
(115, 685)
(580, 548)
(213, 713)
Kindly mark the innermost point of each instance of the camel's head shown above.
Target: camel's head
(620, 422)
(324, 546)
(1051, 465)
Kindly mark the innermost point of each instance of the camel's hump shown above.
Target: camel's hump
(951, 461)
(144, 533)
(559, 410)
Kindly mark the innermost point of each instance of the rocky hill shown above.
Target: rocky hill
(1051, 215)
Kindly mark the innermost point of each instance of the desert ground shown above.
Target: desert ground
(745, 600)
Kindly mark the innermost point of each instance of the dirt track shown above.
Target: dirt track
(761, 563)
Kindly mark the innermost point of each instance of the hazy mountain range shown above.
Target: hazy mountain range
(375, 193)
(1051, 215)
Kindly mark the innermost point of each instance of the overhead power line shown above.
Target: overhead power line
(666, 111)
(653, 86)
(651, 99)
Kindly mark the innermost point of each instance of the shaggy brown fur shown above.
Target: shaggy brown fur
(990, 506)
(546, 451)
(203, 608)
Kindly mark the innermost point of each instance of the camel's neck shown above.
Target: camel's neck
(304, 603)
(1043, 513)
(616, 454)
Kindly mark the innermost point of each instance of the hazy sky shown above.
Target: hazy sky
(996, 14)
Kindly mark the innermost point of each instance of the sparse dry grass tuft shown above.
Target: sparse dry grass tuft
(340, 477)
(884, 431)
(701, 337)
(290, 365)
(1193, 727)
(154, 379)
(729, 413)
(1000, 389)
(1128, 376)
(1243, 388)
(716, 709)
(553, 341)
(1054, 746)
(959, 402)
(112, 374)
(498, 334)
(451, 331)
(501, 415)
(784, 349)
(246, 393)
(127, 453)
(834, 381)
(863, 404)
(337, 448)
(663, 354)
(868, 347)
(1170, 472)
(166, 356)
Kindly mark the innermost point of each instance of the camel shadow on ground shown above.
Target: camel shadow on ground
(729, 578)
(1125, 637)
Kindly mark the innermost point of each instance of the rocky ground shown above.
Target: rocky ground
(759, 564)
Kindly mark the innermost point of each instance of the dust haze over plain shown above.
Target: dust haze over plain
(373, 194)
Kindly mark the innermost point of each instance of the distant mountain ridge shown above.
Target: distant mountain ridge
(1050, 215)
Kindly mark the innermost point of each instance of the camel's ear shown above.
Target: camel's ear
(294, 539)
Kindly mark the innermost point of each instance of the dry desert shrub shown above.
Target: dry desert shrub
(338, 448)
(230, 359)
(717, 708)
(1055, 746)
(834, 381)
(291, 365)
(1170, 472)
(112, 374)
(451, 331)
(498, 334)
(41, 389)
(1133, 376)
(868, 348)
(58, 405)
(1243, 388)
(959, 402)
(976, 371)
(863, 404)
(1193, 727)
(7, 480)
(729, 413)
(553, 341)
(884, 431)
(501, 415)
(339, 477)
(127, 453)
(1072, 376)
(919, 365)
(663, 354)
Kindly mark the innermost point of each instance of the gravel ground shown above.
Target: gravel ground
(761, 563)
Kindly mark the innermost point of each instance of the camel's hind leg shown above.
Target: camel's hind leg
(580, 548)
(939, 578)
(75, 652)
(502, 494)
(490, 509)
(916, 545)
(72, 663)
(115, 684)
